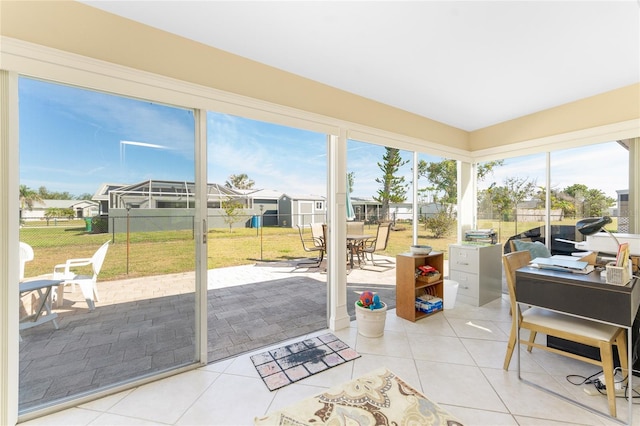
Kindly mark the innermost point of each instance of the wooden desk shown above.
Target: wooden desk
(587, 296)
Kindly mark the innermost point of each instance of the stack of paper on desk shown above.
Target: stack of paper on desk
(562, 263)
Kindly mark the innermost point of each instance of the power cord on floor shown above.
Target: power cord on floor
(584, 380)
(621, 390)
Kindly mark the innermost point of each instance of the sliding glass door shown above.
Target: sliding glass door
(96, 169)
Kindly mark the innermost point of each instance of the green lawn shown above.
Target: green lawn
(164, 252)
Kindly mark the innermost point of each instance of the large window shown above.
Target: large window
(584, 182)
(98, 168)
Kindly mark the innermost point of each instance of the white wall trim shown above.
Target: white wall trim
(9, 225)
(63, 67)
(594, 135)
(45, 63)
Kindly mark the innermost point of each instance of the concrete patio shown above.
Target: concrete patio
(142, 326)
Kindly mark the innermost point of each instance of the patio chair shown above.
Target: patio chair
(87, 283)
(356, 228)
(25, 255)
(379, 243)
(539, 320)
(311, 244)
(317, 232)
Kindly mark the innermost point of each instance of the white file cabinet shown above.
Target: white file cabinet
(478, 270)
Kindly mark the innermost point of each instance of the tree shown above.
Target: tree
(240, 181)
(84, 196)
(393, 187)
(232, 210)
(589, 202)
(559, 201)
(498, 198)
(440, 224)
(517, 190)
(28, 197)
(57, 212)
(52, 195)
(443, 176)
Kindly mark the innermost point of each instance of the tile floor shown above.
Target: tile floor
(454, 357)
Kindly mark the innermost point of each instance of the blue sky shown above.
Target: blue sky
(74, 140)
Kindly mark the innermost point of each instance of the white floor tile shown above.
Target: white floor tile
(435, 325)
(526, 400)
(459, 385)
(69, 417)
(478, 329)
(391, 343)
(455, 358)
(108, 419)
(166, 400)
(440, 349)
(230, 400)
(475, 417)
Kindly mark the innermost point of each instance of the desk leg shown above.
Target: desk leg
(630, 372)
(517, 336)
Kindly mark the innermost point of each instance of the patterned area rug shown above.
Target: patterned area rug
(377, 398)
(287, 364)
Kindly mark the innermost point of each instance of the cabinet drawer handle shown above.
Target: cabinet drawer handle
(463, 263)
(466, 287)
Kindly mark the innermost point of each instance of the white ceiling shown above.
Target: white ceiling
(467, 64)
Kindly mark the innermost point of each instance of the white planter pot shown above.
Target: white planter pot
(370, 322)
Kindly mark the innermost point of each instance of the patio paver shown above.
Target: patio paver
(145, 325)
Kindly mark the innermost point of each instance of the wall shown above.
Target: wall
(80, 29)
(77, 28)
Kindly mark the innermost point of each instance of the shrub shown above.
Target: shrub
(441, 224)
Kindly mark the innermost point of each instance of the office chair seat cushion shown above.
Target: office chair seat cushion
(537, 249)
(569, 324)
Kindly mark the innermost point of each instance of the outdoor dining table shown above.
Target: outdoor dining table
(354, 242)
(42, 312)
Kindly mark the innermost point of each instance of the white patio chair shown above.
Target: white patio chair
(87, 283)
(25, 255)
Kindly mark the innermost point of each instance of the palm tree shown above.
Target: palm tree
(27, 198)
(239, 181)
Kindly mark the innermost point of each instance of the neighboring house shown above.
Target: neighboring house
(622, 211)
(301, 210)
(166, 201)
(101, 196)
(274, 207)
(264, 202)
(81, 208)
(370, 211)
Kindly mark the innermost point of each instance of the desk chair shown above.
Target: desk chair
(539, 320)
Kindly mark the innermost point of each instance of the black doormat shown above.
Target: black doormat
(296, 361)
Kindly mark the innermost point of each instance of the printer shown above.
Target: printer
(602, 242)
